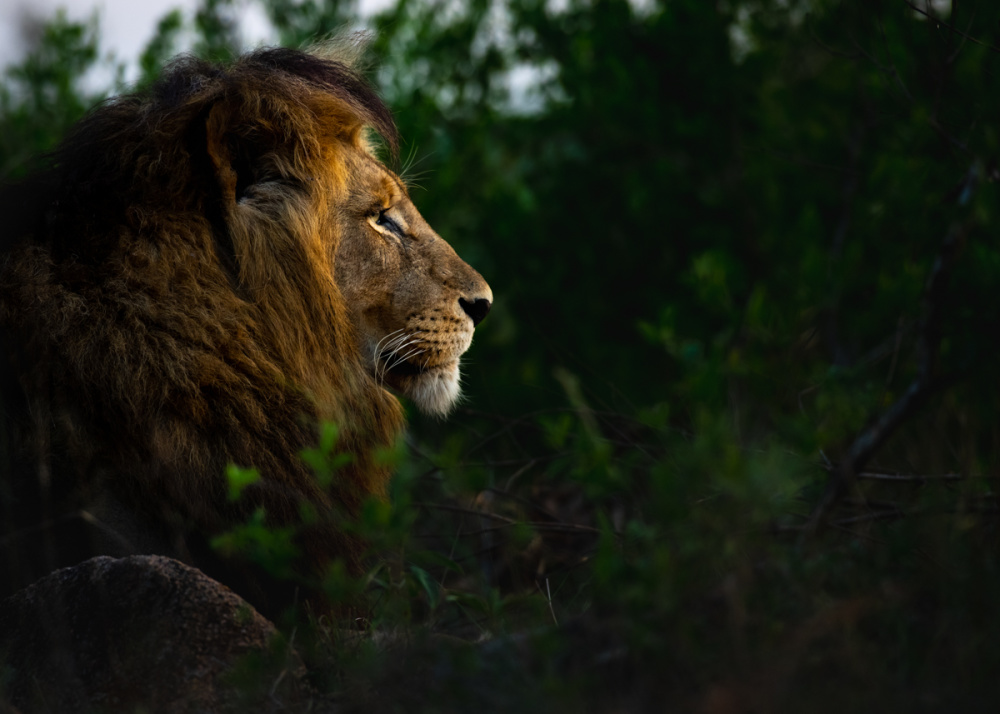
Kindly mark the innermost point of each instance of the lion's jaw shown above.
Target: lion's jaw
(413, 301)
(435, 390)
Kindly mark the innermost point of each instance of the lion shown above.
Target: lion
(201, 275)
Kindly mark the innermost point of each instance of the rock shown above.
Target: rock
(143, 632)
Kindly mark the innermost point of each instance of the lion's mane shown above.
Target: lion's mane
(168, 307)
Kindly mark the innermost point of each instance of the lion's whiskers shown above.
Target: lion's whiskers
(391, 353)
(378, 344)
(392, 357)
(408, 355)
(390, 340)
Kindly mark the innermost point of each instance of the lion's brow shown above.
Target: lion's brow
(383, 170)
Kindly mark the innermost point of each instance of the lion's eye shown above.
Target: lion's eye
(383, 221)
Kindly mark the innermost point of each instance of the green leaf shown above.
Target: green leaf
(239, 478)
(428, 583)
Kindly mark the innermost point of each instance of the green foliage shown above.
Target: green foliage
(239, 479)
(272, 548)
(323, 461)
(301, 22)
(42, 96)
(216, 25)
(161, 47)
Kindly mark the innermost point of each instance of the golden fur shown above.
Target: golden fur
(201, 275)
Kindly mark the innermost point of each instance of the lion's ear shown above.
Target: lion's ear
(235, 156)
(235, 163)
(216, 135)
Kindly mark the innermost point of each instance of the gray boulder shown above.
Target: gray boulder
(141, 633)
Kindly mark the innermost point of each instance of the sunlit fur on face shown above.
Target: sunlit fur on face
(405, 286)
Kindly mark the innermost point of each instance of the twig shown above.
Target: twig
(521, 499)
(896, 476)
(82, 515)
(873, 516)
(954, 55)
(892, 65)
(888, 515)
(543, 527)
(891, 71)
(548, 596)
(557, 527)
(951, 26)
(912, 478)
(924, 384)
(872, 503)
(849, 193)
(512, 478)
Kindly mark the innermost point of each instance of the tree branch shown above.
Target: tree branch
(844, 476)
(950, 26)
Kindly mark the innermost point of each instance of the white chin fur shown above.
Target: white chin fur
(437, 391)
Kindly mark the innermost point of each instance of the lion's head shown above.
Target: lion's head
(203, 273)
(413, 301)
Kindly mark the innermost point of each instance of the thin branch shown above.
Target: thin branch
(890, 514)
(570, 528)
(891, 72)
(892, 65)
(873, 516)
(548, 596)
(911, 478)
(522, 500)
(873, 504)
(48, 524)
(935, 18)
(849, 192)
(900, 477)
(537, 525)
(924, 384)
(954, 55)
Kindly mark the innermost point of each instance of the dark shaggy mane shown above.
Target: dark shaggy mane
(86, 172)
(168, 306)
(186, 75)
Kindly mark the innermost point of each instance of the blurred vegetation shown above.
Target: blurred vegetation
(732, 423)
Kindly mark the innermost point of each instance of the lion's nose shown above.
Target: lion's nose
(476, 309)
